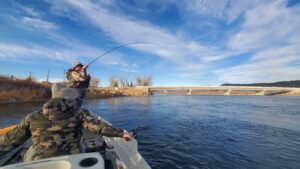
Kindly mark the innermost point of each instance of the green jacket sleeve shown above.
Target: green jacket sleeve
(94, 125)
(15, 137)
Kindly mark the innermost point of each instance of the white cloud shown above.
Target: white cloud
(273, 53)
(212, 8)
(268, 65)
(125, 29)
(30, 11)
(38, 23)
(34, 51)
(227, 10)
(255, 74)
(68, 48)
(271, 32)
(184, 75)
(267, 25)
(196, 58)
(24, 53)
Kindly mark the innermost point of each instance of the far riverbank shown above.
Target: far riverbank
(227, 90)
(32, 94)
(14, 90)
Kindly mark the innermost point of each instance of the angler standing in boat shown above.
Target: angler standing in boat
(78, 78)
(57, 129)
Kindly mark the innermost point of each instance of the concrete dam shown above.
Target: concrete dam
(224, 90)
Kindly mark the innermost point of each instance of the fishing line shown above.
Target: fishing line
(128, 44)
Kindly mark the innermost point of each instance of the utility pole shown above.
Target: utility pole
(48, 76)
(64, 75)
(29, 77)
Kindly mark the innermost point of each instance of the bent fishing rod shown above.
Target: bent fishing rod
(118, 47)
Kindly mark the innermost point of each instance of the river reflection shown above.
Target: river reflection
(12, 113)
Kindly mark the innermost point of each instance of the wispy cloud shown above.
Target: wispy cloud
(260, 72)
(259, 40)
(20, 51)
(29, 53)
(212, 8)
(30, 11)
(64, 48)
(226, 10)
(269, 30)
(38, 23)
(267, 24)
(184, 75)
(124, 29)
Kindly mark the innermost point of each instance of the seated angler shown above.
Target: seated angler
(57, 129)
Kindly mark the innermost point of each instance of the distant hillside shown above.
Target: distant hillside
(292, 83)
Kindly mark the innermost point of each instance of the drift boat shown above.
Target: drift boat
(100, 152)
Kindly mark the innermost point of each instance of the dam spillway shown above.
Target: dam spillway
(225, 90)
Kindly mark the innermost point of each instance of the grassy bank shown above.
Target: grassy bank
(16, 90)
(19, 90)
(95, 93)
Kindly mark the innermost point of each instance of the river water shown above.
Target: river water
(190, 132)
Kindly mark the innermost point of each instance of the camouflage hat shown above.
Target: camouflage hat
(58, 108)
(76, 64)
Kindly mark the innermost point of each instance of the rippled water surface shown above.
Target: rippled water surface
(180, 131)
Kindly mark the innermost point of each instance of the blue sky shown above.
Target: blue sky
(201, 42)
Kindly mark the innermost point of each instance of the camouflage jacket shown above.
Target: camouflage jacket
(78, 79)
(56, 130)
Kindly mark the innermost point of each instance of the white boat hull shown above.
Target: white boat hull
(119, 153)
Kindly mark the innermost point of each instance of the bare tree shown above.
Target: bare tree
(31, 79)
(131, 84)
(94, 82)
(113, 82)
(123, 81)
(143, 81)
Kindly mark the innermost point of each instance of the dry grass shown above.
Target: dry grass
(295, 92)
(12, 89)
(95, 93)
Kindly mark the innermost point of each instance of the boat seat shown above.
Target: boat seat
(93, 143)
(77, 161)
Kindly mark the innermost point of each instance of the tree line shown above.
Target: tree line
(113, 81)
(123, 81)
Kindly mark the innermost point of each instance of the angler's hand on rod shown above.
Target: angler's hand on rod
(85, 67)
(127, 136)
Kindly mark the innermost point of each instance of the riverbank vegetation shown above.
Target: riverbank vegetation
(95, 93)
(14, 89)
